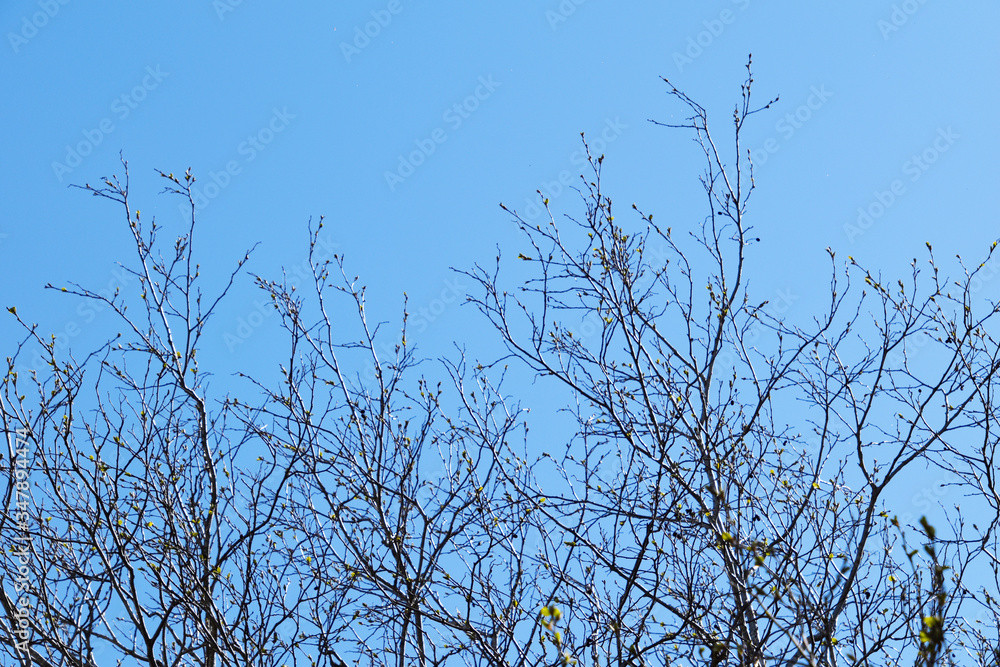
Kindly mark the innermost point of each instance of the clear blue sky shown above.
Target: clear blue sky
(301, 109)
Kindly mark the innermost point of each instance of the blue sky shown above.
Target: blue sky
(407, 123)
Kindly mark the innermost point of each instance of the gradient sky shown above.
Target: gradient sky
(406, 124)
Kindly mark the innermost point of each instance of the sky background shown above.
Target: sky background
(348, 110)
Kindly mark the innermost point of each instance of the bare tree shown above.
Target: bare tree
(325, 517)
(152, 538)
(413, 540)
(723, 498)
